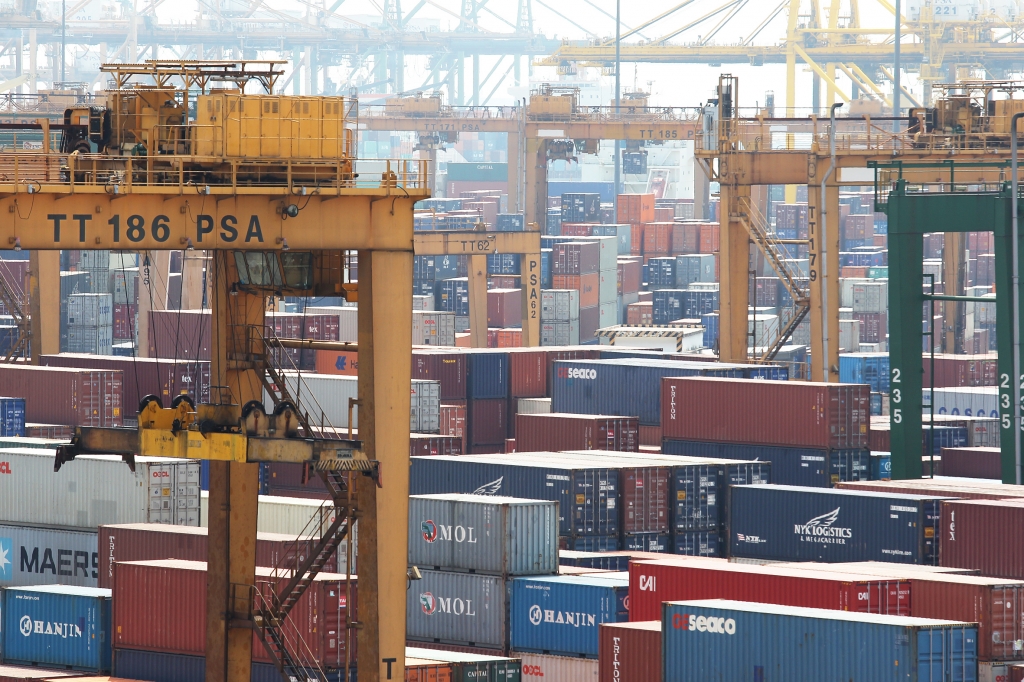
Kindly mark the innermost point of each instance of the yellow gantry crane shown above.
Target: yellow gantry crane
(267, 185)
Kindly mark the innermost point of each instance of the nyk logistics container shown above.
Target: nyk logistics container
(559, 431)
(482, 534)
(984, 535)
(630, 652)
(463, 609)
(56, 625)
(674, 579)
(46, 556)
(560, 615)
(783, 413)
(787, 523)
(717, 639)
(76, 397)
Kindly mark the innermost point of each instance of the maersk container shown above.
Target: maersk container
(790, 466)
(560, 615)
(496, 535)
(12, 417)
(48, 556)
(464, 609)
(718, 639)
(789, 523)
(57, 625)
(488, 375)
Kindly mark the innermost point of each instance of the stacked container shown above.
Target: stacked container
(630, 652)
(433, 328)
(560, 317)
(56, 626)
(90, 323)
(12, 416)
(559, 431)
(34, 554)
(487, 381)
(577, 265)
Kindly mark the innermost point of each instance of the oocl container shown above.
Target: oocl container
(59, 395)
(57, 625)
(981, 534)
(813, 524)
(733, 640)
(630, 652)
(43, 556)
(467, 609)
(541, 668)
(559, 431)
(497, 535)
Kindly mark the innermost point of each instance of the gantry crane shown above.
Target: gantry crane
(267, 184)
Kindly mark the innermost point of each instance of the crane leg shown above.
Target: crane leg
(44, 294)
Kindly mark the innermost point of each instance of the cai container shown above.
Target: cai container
(983, 535)
(785, 413)
(57, 625)
(560, 615)
(478, 534)
(465, 609)
(48, 556)
(58, 395)
(815, 524)
(717, 639)
(559, 431)
(676, 579)
(630, 652)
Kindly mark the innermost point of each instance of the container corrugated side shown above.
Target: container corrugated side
(630, 652)
(59, 395)
(559, 431)
(467, 609)
(487, 373)
(154, 666)
(57, 625)
(729, 640)
(557, 668)
(500, 535)
(48, 556)
(467, 667)
(984, 535)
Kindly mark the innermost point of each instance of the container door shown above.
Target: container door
(1006, 627)
(947, 654)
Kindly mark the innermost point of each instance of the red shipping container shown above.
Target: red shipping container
(686, 238)
(984, 463)
(640, 313)
(664, 214)
(873, 327)
(504, 308)
(555, 432)
(709, 238)
(658, 238)
(859, 271)
(650, 436)
(125, 324)
(629, 652)
(509, 338)
(426, 445)
(654, 582)
(575, 258)
(488, 422)
(528, 373)
(587, 285)
(453, 422)
(646, 507)
(962, 370)
(343, 362)
(181, 334)
(635, 208)
(636, 239)
(577, 229)
(503, 282)
(66, 396)
(984, 535)
(445, 366)
(967, 489)
(784, 413)
(878, 436)
(630, 275)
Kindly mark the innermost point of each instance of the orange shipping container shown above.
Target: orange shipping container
(587, 285)
(640, 313)
(664, 214)
(510, 338)
(635, 208)
(658, 238)
(686, 238)
(422, 670)
(344, 362)
(709, 237)
(636, 239)
(853, 271)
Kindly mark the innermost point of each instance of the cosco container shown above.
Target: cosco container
(630, 652)
(784, 413)
(497, 535)
(655, 582)
(76, 397)
(57, 625)
(560, 615)
(983, 535)
(812, 524)
(559, 431)
(97, 489)
(466, 609)
(719, 639)
(45, 556)
(558, 668)
(468, 667)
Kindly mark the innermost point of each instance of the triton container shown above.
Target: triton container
(57, 625)
(630, 652)
(463, 609)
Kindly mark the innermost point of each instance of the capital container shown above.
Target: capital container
(717, 639)
(818, 468)
(487, 374)
(785, 413)
(982, 534)
(559, 668)
(587, 493)
(12, 416)
(59, 395)
(677, 578)
(97, 489)
(469, 667)
(560, 615)
(496, 535)
(445, 366)
(813, 524)
(630, 652)
(57, 625)
(155, 666)
(467, 609)
(560, 431)
(44, 556)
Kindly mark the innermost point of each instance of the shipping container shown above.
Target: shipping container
(426, 445)
(155, 666)
(733, 640)
(943, 486)
(12, 416)
(542, 668)
(478, 534)
(445, 366)
(528, 373)
(19, 673)
(984, 463)
(470, 667)
(813, 524)
(560, 615)
(487, 374)
(488, 422)
(466, 609)
(180, 334)
(76, 397)
(57, 625)
(559, 431)
(46, 556)
(981, 534)
(785, 413)
(630, 652)
(292, 516)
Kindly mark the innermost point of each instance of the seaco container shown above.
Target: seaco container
(559, 431)
(717, 639)
(560, 615)
(464, 609)
(654, 582)
(812, 524)
(785, 413)
(58, 395)
(820, 468)
(630, 652)
(46, 556)
(57, 625)
(497, 535)
(982, 535)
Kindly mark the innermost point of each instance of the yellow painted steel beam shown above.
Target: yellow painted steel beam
(44, 302)
(659, 131)
(821, 72)
(439, 124)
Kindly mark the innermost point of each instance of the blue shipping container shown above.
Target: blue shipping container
(453, 296)
(488, 375)
(647, 542)
(710, 322)
(698, 302)
(545, 269)
(612, 560)
(814, 524)
(865, 368)
(881, 466)
(790, 466)
(503, 264)
(593, 543)
(667, 304)
(160, 667)
(561, 615)
(12, 416)
(697, 543)
(943, 437)
(717, 639)
(661, 274)
(510, 222)
(57, 625)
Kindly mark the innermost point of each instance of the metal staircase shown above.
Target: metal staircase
(20, 347)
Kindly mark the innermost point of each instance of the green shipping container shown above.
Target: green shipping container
(481, 172)
(473, 667)
(879, 272)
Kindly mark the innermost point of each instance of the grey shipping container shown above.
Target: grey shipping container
(48, 556)
(91, 309)
(559, 305)
(466, 609)
(425, 407)
(497, 535)
(95, 340)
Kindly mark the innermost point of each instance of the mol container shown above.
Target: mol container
(462, 609)
(814, 524)
(984, 535)
(784, 413)
(559, 431)
(560, 615)
(630, 652)
(57, 625)
(719, 639)
(497, 535)
(45, 556)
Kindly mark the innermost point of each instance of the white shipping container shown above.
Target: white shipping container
(348, 320)
(557, 668)
(846, 285)
(48, 556)
(97, 489)
(124, 293)
(559, 305)
(90, 339)
(461, 323)
(425, 409)
(94, 260)
(982, 433)
(534, 406)
(91, 309)
(608, 286)
(608, 315)
(560, 333)
(846, 313)
(871, 297)
(433, 328)
(849, 336)
(764, 327)
(971, 401)
(422, 302)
